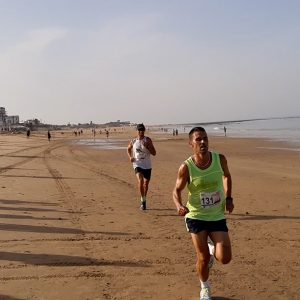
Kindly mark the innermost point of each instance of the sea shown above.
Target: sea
(285, 130)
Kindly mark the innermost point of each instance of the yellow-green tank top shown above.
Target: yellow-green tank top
(206, 197)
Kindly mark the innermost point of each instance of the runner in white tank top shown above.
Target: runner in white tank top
(139, 151)
(141, 154)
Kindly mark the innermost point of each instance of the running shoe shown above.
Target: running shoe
(143, 205)
(205, 294)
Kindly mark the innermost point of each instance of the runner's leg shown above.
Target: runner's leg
(222, 246)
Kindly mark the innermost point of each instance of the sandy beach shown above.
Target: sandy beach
(71, 227)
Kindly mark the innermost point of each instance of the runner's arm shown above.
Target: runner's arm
(181, 182)
(149, 145)
(129, 151)
(227, 182)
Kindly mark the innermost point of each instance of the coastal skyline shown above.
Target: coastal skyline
(153, 62)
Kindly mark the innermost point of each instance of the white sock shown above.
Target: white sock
(204, 284)
(211, 248)
(143, 199)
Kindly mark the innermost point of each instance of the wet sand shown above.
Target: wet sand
(71, 227)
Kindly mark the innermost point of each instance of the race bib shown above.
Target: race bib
(140, 154)
(209, 200)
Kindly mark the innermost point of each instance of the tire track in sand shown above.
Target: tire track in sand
(63, 188)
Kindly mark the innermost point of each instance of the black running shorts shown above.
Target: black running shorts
(195, 226)
(146, 172)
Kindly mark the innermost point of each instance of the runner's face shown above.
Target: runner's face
(199, 142)
(141, 133)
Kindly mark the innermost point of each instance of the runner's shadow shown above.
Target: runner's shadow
(5, 201)
(22, 156)
(222, 298)
(27, 209)
(171, 215)
(44, 177)
(250, 217)
(6, 297)
(39, 229)
(56, 260)
(161, 209)
(45, 229)
(15, 168)
(5, 216)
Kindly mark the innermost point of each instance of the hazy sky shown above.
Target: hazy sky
(151, 61)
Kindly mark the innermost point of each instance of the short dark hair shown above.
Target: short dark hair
(196, 129)
(140, 127)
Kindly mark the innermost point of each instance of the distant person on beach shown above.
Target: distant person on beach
(209, 183)
(49, 135)
(225, 129)
(28, 132)
(139, 151)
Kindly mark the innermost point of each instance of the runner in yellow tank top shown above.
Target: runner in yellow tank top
(209, 183)
(206, 199)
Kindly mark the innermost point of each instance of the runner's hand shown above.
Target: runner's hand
(229, 205)
(182, 210)
(147, 143)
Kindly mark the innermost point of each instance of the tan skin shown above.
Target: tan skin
(202, 158)
(143, 183)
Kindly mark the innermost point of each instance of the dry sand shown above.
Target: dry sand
(71, 227)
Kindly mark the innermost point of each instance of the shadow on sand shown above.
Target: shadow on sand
(45, 177)
(45, 229)
(55, 260)
(18, 217)
(162, 209)
(223, 298)
(27, 209)
(5, 201)
(250, 217)
(6, 297)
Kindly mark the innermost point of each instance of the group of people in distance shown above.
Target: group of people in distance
(208, 180)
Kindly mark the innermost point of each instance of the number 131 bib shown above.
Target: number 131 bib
(209, 200)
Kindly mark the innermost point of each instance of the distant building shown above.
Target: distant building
(2, 116)
(32, 123)
(118, 123)
(12, 120)
(7, 121)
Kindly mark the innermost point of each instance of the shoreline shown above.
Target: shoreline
(287, 133)
(126, 136)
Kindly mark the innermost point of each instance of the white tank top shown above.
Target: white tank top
(141, 154)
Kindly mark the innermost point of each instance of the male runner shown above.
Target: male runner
(209, 183)
(139, 151)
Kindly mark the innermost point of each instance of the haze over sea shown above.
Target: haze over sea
(286, 130)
